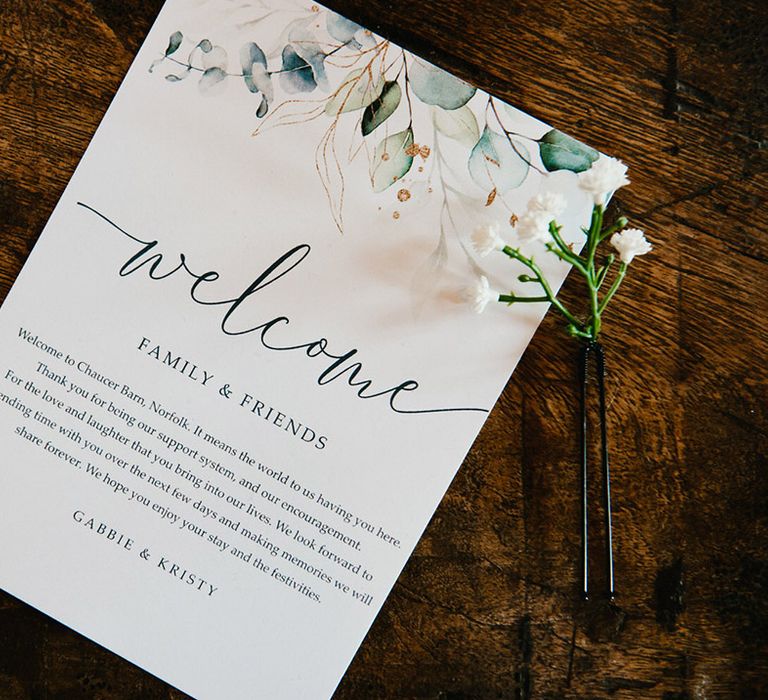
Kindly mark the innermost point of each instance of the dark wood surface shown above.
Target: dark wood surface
(488, 605)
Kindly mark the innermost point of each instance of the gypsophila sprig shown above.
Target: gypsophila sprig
(629, 243)
(539, 223)
(486, 239)
(604, 177)
(550, 203)
(539, 226)
(481, 294)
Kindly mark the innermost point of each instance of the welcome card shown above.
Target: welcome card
(237, 374)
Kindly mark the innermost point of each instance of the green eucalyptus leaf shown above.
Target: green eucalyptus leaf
(212, 81)
(498, 162)
(391, 159)
(514, 112)
(263, 107)
(559, 151)
(263, 81)
(310, 50)
(359, 89)
(296, 74)
(382, 108)
(342, 29)
(255, 75)
(173, 43)
(458, 124)
(250, 54)
(433, 86)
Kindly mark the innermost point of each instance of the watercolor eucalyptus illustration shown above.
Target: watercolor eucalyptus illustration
(383, 86)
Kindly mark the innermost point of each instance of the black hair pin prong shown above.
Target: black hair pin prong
(587, 350)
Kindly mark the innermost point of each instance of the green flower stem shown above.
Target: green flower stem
(621, 222)
(515, 254)
(554, 231)
(576, 331)
(563, 251)
(614, 287)
(594, 306)
(594, 274)
(557, 251)
(593, 239)
(593, 235)
(603, 271)
(513, 298)
(571, 259)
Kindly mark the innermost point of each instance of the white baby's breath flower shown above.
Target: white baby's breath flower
(486, 239)
(534, 226)
(481, 294)
(630, 242)
(550, 203)
(605, 176)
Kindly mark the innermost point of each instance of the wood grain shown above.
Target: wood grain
(488, 606)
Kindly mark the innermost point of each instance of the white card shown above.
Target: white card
(237, 374)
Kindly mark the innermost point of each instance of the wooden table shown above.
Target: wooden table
(488, 605)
